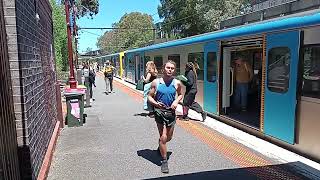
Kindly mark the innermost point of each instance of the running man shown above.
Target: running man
(162, 96)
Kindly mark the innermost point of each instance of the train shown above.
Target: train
(284, 95)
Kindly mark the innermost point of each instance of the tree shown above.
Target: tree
(60, 36)
(180, 16)
(215, 11)
(89, 49)
(133, 30)
(87, 7)
(192, 17)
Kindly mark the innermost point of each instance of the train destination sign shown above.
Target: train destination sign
(258, 5)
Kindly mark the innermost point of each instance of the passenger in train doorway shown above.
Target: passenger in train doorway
(243, 76)
(108, 76)
(162, 96)
(151, 74)
(191, 92)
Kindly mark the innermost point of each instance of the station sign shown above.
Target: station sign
(258, 5)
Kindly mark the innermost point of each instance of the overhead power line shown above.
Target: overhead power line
(115, 28)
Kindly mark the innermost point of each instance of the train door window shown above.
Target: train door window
(123, 62)
(311, 72)
(176, 59)
(278, 69)
(198, 59)
(212, 66)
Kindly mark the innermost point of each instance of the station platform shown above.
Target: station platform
(119, 141)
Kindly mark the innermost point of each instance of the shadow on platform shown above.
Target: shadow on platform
(280, 171)
(152, 156)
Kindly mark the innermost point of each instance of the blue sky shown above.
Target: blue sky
(110, 11)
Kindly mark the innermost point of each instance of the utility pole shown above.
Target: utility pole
(75, 10)
(72, 82)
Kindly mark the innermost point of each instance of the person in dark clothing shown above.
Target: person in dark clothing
(191, 91)
(92, 78)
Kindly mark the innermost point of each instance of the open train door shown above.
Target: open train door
(282, 54)
(211, 51)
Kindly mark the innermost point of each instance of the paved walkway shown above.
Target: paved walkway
(118, 142)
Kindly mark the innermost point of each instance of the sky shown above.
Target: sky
(110, 11)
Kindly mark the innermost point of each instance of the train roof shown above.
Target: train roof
(109, 55)
(298, 20)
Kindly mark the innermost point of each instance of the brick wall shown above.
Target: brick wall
(9, 167)
(33, 79)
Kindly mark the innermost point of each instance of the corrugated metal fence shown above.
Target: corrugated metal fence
(9, 168)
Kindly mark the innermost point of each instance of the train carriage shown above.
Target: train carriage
(284, 96)
(116, 60)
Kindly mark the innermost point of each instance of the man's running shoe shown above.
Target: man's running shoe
(164, 166)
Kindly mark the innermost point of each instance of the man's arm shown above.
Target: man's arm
(152, 94)
(180, 96)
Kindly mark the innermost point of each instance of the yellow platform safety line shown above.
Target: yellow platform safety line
(237, 153)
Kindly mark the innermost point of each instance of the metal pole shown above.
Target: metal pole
(75, 34)
(72, 82)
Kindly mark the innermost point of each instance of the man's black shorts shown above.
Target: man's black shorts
(165, 116)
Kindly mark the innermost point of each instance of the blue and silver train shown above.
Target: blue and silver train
(284, 95)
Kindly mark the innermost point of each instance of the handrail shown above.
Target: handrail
(232, 78)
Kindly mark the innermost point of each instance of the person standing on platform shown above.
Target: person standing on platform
(92, 78)
(162, 96)
(108, 76)
(151, 74)
(191, 92)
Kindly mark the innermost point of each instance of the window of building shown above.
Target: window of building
(311, 72)
(198, 59)
(278, 69)
(158, 61)
(212, 66)
(176, 59)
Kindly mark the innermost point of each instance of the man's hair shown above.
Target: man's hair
(169, 61)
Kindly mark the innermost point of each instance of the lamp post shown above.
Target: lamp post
(72, 82)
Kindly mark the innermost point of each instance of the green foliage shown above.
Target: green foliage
(192, 17)
(180, 16)
(60, 36)
(87, 7)
(131, 33)
(215, 11)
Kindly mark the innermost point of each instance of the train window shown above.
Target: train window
(176, 59)
(278, 69)
(212, 66)
(311, 72)
(146, 59)
(197, 58)
(158, 61)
